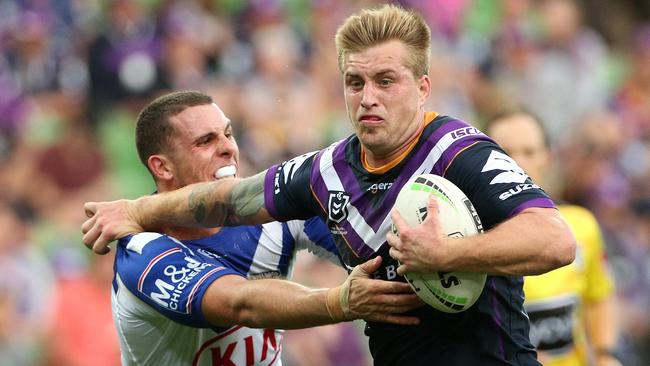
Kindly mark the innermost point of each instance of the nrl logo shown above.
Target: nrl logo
(338, 206)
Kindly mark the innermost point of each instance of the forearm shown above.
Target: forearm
(269, 304)
(210, 204)
(281, 304)
(288, 306)
(533, 242)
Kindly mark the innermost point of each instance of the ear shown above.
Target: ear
(161, 167)
(425, 88)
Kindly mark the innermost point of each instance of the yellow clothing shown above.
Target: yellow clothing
(554, 300)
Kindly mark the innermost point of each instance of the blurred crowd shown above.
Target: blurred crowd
(74, 74)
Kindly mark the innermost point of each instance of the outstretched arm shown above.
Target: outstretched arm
(535, 241)
(224, 202)
(283, 304)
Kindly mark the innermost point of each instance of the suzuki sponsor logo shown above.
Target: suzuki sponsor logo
(516, 190)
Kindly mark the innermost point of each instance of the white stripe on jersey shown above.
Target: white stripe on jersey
(139, 241)
(357, 222)
(269, 249)
(436, 153)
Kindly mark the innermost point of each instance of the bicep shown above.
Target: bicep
(220, 303)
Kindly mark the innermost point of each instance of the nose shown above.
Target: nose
(368, 96)
(227, 147)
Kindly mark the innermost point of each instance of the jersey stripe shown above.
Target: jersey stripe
(188, 305)
(355, 221)
(267, 253)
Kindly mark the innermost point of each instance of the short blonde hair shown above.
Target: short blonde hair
(371, 27)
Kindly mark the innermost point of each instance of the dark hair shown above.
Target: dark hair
(153, 131)
(494, 119)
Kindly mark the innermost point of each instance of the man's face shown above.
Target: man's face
(522, 138)
(384, 100)
(202, 144)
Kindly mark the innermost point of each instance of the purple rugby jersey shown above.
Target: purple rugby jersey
(332, 183)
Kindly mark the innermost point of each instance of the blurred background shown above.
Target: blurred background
(74, 74)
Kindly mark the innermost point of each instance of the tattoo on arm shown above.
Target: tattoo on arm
(205, 209)
(212, 204)
(247, 198)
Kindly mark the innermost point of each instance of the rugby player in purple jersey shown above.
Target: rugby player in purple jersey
(384, 55)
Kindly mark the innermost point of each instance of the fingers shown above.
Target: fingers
(398, 221)
(90, 208)
(95, 240)
(91, 232)
(101, 245)
(432, 211)
(88, 224)
(402, 269)
(367, 268)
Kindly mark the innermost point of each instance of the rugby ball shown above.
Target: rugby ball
(450, 292)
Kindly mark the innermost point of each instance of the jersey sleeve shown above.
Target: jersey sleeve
(287, 192)
(168, 276)
(494, 182)
(314, 236)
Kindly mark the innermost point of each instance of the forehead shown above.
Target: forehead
(387, 56)
(197, 120)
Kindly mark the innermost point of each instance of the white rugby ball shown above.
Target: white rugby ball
(450, 292)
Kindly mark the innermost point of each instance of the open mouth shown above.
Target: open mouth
(371, 120)
(225, 172)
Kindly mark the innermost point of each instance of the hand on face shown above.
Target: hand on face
(420, 248)
(107, 221)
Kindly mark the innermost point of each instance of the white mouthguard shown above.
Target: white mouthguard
(225, 171)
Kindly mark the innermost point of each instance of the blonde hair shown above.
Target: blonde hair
(371, 27)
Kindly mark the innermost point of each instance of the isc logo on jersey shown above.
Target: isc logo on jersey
(450, 292)
(510, 173)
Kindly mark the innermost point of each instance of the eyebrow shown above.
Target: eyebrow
(381, 72)
(228, 126)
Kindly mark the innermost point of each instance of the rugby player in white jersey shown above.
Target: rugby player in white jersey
(181, 296)
(384, 59)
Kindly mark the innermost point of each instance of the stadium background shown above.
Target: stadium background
(74, 73)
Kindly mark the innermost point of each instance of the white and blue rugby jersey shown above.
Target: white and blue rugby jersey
(159, 284)
(334, 184)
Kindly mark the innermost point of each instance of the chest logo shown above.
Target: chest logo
(338, 206)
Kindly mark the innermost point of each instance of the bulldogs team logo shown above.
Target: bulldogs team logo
(338, 206)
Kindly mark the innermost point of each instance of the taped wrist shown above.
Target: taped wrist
(338, 302)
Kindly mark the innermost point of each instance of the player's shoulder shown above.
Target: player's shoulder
(148, 243)
(135, 253)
